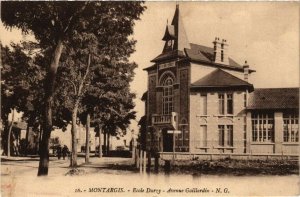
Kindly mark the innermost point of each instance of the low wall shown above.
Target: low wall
(216, 156)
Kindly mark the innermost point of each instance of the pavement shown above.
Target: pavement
(19, 175)
(19, 178)
(54, 162)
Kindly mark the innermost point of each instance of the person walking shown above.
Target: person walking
(58, 151)
(65, 151)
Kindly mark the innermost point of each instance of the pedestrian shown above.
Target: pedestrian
(65, 151)
(58, 151)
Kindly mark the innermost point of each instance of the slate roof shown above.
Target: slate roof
(274, 98)
(220, 78)
(169, 33)
(183, 49)
(200, 53)
(168, 55)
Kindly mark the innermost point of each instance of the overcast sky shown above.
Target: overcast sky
(264, 34)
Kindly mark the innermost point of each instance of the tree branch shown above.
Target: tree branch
(84, 77)
(73, 16)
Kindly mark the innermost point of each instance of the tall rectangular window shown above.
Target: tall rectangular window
(184, 136)
(262, 127)
(203, 105)
(222, 56)
(221, 135)
(221, 104)
(225, 103)
(229, 104)
(167, 99)
(245, 99)
(203, 136)
(229, 135)
(290, 127)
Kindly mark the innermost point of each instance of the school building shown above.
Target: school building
(199, 100)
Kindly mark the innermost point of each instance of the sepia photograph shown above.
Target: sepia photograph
(153, 98)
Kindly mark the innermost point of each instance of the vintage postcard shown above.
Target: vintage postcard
(149, 98)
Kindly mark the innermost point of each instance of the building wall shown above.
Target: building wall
(277, 146)
(180, 70)
(188, 106)
(213, 119)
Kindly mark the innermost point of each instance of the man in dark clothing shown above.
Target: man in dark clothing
(58, 151)
(65, 151)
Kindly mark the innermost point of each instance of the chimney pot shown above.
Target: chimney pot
(220, 51)
(246, 71)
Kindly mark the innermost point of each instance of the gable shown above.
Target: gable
(220, 78)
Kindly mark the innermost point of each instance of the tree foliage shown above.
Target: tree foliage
(55, 24)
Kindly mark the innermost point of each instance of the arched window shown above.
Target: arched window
(167, 99)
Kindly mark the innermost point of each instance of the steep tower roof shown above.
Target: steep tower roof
(182, 41)
(176, 33)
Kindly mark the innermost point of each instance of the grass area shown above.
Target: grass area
(237, 167)
(224, 167)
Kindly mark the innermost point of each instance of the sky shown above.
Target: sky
(266, 34)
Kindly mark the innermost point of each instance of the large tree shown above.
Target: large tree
(21, 80)
(73, 79)
(54, 24)
(112, 98)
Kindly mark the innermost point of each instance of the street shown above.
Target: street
(94, 179)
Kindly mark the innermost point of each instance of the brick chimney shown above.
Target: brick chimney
(246, 71)
(220, 51)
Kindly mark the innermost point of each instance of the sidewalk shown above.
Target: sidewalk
(19, 158)
(93, 161)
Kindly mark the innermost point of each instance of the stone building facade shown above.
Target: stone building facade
(199, 100)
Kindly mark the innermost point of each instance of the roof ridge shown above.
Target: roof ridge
(277, 88)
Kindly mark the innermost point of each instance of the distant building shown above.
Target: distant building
(217, 109)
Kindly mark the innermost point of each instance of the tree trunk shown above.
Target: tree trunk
(40, 133)
(9, 132)
(87, 139)
(100, 143)
(73, 160)
(47, 125)
(108, 142)
(105, 143)
(26, 142)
